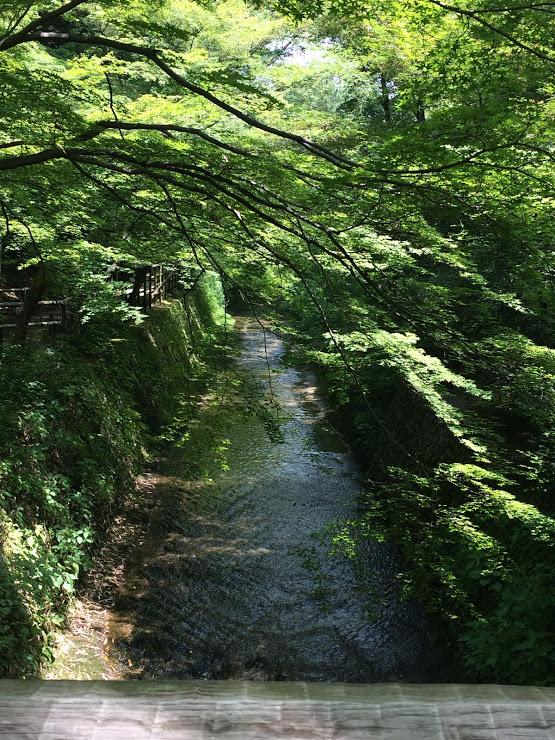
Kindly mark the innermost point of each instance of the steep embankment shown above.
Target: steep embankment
(76, 419)
(474, 526)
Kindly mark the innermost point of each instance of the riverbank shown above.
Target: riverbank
(472, 523)
(78, 417)
(81, 652)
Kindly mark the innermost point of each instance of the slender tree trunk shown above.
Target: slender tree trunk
(30, 303)
(139, 279)
(386, 103)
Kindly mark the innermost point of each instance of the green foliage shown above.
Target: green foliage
(488, 561)
(483, 569)
(72, 446)
(71, 443)
(172, 350)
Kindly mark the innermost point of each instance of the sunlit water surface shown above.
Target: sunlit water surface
(233, 583)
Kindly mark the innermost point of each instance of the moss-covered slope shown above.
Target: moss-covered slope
(77, 418)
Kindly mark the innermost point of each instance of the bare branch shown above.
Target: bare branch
(26, 160)
(532, 6)
(17, 20)
(111, 90)
(162, 128)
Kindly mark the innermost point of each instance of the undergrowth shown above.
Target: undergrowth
(460, 477)
(77, 420)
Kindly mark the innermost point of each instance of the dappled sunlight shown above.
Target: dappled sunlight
(233, 583)
(199, 547)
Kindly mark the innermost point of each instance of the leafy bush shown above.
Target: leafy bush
(70, 445)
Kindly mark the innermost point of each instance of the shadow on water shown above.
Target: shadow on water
(234, 581)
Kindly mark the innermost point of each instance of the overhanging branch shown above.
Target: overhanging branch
(474, 15)
(153, 55)
(21, 36)
(162, 128)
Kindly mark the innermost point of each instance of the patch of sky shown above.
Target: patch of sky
(293, 51)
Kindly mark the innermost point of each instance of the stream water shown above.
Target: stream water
(233, 582)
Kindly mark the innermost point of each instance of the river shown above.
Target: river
(234, 581)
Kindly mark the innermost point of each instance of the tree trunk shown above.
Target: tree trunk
(386, 103)
(30, 303)
(138, 281)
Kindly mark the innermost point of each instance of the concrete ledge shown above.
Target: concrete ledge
(241, 710)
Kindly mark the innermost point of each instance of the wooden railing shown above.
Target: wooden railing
(156, 282)
(155, 286)
(47, 314)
